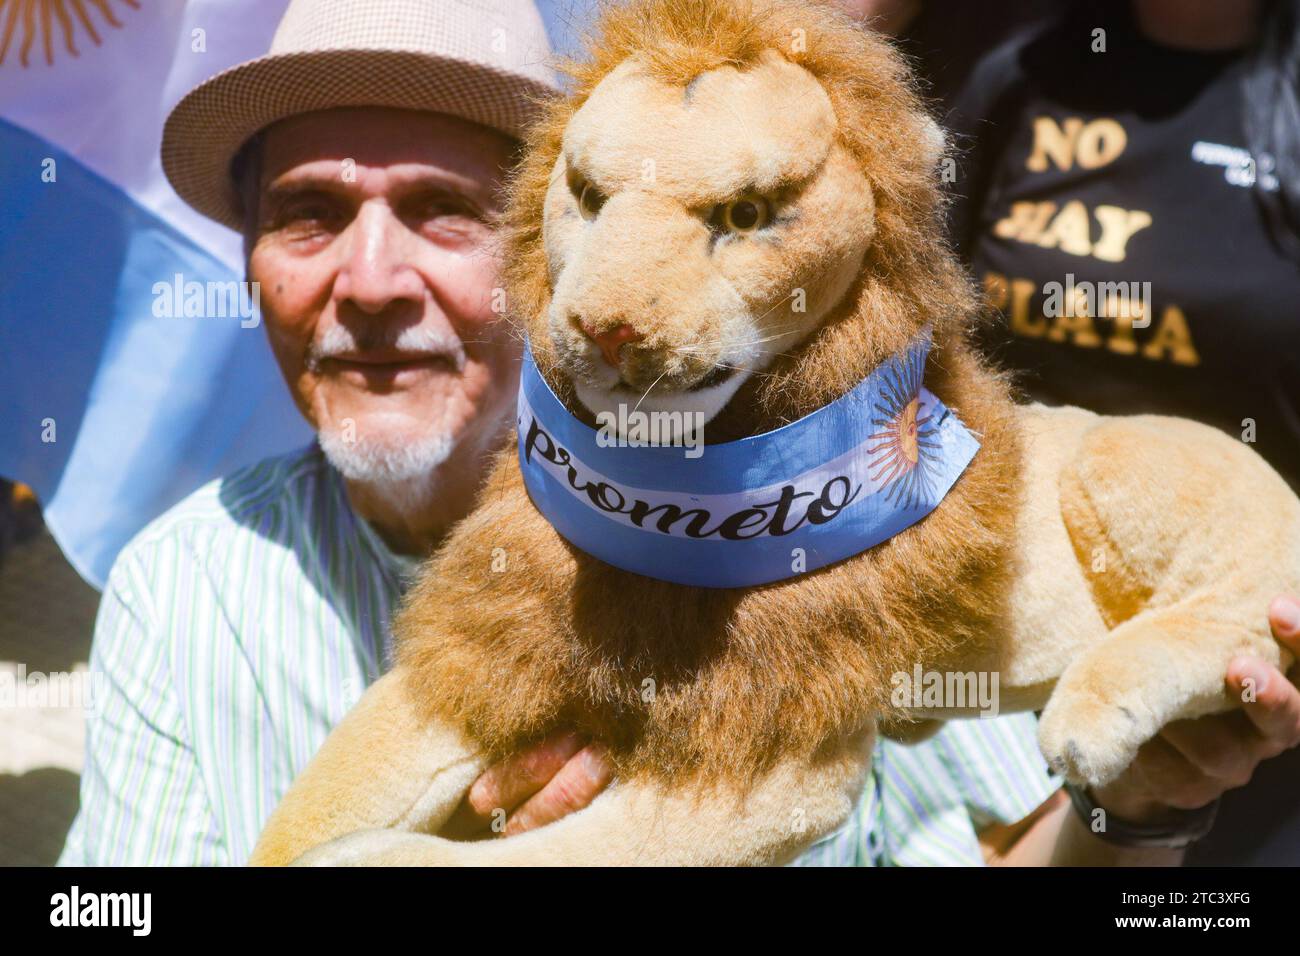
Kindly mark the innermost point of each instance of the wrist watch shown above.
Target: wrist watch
(1179, 831)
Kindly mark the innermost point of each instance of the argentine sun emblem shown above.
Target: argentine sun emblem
(908, 438)
(48, 20)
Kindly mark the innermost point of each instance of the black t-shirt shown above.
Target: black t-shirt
(947, 39)
(1109, 211)
(1130, 166)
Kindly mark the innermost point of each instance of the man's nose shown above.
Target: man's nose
(378, 265)
(611, 340)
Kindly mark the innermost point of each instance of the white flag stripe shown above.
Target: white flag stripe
(106, 106)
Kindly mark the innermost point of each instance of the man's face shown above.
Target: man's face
(378, 269)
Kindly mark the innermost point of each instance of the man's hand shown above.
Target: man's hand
(1187, 765)
(1191, 763)
(531, 789)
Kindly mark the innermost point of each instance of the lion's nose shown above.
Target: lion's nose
(611, 340)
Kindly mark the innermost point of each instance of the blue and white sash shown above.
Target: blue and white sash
(761, 509)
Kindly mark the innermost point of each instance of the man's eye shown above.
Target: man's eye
(448, 222)
(306, 212)
(442, 207)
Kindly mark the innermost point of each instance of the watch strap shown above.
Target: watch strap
(1180, 830)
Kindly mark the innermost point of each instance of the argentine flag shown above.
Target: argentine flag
(110, 412)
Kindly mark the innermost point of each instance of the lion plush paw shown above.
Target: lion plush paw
(1157, 668)
(1091, 740)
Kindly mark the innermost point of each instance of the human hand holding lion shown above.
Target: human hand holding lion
(735, 216)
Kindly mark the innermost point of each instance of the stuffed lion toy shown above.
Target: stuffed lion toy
(736, 215)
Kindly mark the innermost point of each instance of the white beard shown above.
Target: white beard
(404, 474)
(401, 472)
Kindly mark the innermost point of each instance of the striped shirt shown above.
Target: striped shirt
(237, 629)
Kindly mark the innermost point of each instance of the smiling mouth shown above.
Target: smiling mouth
(389, 364)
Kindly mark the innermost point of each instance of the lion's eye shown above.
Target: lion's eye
(590, 199)
(744, 215)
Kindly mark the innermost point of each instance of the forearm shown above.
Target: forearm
(1077, 845)
(1188, 765)
(1059, 838)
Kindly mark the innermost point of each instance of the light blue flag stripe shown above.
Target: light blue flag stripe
(144, 409)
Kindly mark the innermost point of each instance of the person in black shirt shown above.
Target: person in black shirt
(1128, 193)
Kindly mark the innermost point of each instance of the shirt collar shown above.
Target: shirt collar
(399, 567)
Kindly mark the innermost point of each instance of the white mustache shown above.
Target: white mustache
(339, 340)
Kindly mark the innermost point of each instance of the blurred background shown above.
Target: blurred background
(46, 615)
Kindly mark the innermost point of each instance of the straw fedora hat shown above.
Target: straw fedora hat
(482, 60)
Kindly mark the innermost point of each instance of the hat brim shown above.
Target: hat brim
(209, 126)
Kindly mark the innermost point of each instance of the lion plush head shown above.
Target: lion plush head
(738, 197)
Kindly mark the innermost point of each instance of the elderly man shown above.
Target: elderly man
(363, 159)
(368, 152)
